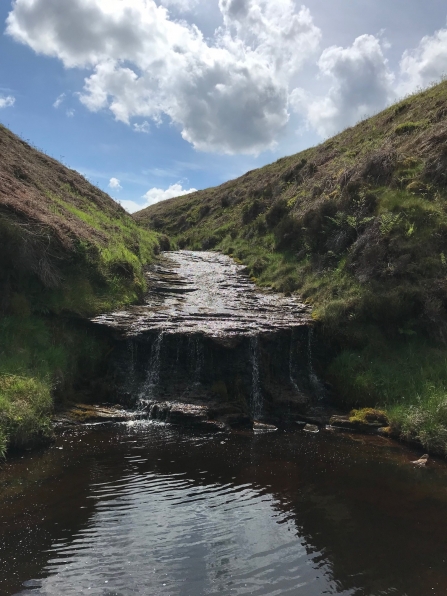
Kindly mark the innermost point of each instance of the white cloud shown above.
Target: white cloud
(228, 94)
(130, 206)
(155, 195)
(362, 84)
(114, 184)
(60, 99)
(143, 127)
(7, 102)
(180, 5)
(425, 64)
(70, 113)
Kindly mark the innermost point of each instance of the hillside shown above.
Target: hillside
(358, 227)
(67, 251)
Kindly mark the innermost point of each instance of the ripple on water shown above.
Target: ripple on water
(176, 513)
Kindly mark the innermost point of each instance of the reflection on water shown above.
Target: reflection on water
(147, 509)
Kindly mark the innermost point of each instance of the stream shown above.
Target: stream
(147, 508)
(196, 493)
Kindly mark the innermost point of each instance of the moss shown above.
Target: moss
(368, 416)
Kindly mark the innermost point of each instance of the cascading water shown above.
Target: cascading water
(153, 374)
(291, 364)
(256, 393)
(133, 353)
(315, 382)
(196, 358)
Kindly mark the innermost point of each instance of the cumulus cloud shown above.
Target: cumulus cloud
(114, 184)
(130, 206)
(7, 102)
(361, 84)
(426, 63)
(180, 5)
(155, 195)
(228, 94)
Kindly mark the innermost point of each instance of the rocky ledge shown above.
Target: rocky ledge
(206, 293)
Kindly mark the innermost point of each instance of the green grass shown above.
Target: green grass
(357, 227)
(408, 379)
(40, 358)
(25, 406)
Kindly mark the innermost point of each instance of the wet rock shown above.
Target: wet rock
(207, 336)
(263, 427)
(421, 462)
(86, 414)
(238, 421)
(311, 428)
(207, 293)
(345, 423)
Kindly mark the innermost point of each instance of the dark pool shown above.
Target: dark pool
(148, 509)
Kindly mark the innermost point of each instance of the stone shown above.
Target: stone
(263, 427)
(311, 428)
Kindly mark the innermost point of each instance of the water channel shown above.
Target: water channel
(147, 508)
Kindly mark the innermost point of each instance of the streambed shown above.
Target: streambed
(147, 508)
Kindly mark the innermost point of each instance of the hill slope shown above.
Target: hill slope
(66, 250)
(358, 227)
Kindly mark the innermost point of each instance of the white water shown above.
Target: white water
(196, 358)
(291, 367)
(256, 395)
(315, 382)
(153, 374)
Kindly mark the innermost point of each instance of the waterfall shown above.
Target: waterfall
(196, 358)
(291, 360)
(153, 373)
(256, 394)
(315, 382)
(132, 351)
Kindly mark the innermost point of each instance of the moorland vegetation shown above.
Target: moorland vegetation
(357, 226)
(67, 252)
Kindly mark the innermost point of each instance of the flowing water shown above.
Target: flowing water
(144, 508)
(256, 390)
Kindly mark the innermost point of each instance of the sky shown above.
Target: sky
(150, 99)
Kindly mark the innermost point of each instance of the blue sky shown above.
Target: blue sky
(149, 99)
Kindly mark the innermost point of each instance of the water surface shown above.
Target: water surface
(147, 509)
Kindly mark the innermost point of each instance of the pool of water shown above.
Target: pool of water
(148, 509)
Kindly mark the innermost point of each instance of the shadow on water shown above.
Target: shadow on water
(149, 509)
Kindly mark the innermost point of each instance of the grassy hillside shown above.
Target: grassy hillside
(67, 250)
(358, 227)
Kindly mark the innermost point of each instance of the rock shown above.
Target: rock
(87, 414)
(421, 462)
(311, 428)
(345, 423)
(264, 428)
(238, 421)
(206, 293)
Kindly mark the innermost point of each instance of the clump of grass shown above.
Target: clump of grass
(25, 406)
(407, 127)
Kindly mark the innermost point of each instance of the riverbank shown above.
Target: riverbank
(357, 228)
(68, 252)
